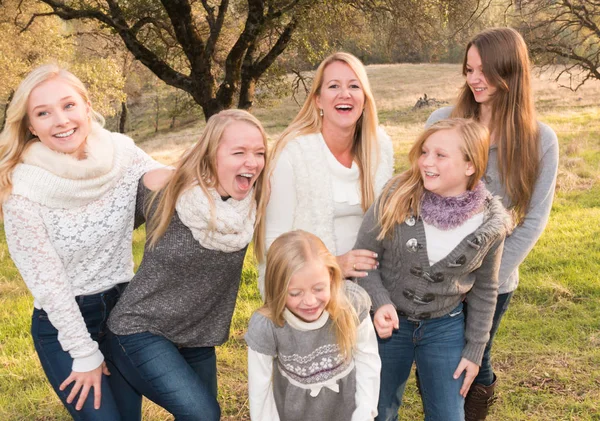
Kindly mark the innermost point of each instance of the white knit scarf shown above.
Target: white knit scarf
(59, 180)
(233, 226)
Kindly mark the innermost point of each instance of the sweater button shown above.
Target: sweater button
(412, 245)
(425, 299)
(408, 294)
(416, 270)
(410, 221)
(437, 277)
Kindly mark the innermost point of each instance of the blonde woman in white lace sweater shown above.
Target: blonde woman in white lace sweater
(67, 191)
(331, 163)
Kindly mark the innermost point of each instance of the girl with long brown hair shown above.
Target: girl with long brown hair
(522, 166)
(312, 351)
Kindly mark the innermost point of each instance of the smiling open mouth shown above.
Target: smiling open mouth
(65, 134)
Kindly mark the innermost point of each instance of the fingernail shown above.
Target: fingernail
(365, 273)
(375, 255)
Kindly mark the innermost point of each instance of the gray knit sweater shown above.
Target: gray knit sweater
(182, 291)
(420, 291)
(518, 245)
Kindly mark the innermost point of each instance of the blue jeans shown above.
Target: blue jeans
(119, 400)
(181, 380)
(436, 346)
(486, 373)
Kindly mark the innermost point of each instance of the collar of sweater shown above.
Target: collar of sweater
(59, 180)
(298, 324)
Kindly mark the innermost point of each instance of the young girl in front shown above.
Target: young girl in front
(439, 234)
(312, 349)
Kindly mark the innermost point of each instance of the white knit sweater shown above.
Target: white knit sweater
(305, 191)
(68, 228)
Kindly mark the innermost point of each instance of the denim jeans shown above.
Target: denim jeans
(436, 346)
(486, 373)
(119, 400)
(181, 380)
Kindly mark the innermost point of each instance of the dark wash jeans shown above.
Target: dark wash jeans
(486, 372)
(181, 380)
(435, 345)
(119, 400)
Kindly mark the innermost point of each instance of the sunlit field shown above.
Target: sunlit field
(547, 351)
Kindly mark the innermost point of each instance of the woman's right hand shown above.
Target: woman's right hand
(83, 382)
(356, 262)
(386, 320)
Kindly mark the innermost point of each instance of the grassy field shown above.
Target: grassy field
(547, 352)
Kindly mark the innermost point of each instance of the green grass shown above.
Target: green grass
(547, 351)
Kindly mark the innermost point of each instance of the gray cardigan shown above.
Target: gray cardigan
(518, 245)
(420, 291)
(182, 291)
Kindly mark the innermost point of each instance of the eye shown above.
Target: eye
(423, 152)
(441, 155)
(294, 293)
(42, 113)
(333, 86)
(69, 105)
(469, 70)
(262, 154)
(355, 86)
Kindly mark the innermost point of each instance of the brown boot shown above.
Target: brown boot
(478, 401)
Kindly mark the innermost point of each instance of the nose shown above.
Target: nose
(310, 300)
(427, 160)
(345, 92)
(251, 161)
(60, 118)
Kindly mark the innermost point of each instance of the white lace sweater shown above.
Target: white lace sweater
(68, 226)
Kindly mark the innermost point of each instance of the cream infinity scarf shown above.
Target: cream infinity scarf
(233, 226)
(59, 180)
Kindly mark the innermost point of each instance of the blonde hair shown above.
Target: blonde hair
(505, 63)
(16, 136)
(365, 148)
(401, 197)
(198, 165)
(289, 253)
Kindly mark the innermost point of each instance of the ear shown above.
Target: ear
(470, 169)
(32, 131)
(318, 101)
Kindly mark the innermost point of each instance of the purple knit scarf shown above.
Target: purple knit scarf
(446, 213)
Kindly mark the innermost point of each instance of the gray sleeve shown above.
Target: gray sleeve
(523, 238)
(261, 336)
(482, 304)
(437, 115)
(367, 239)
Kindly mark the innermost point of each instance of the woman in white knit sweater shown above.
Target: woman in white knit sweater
(331, 163)
(67, 191)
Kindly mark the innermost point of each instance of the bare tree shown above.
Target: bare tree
(565, 33)
(222, 56)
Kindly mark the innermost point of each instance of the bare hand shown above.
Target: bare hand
(356, 262)
(83, 382)
(471, 370)
(386, 320)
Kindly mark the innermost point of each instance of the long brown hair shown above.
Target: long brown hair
(505, 63)
(286, 256)
(401, 197)
(308, 121)
(198, 165)
(16, 136)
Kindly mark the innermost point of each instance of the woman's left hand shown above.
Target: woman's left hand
(471, 370)
(355, 263)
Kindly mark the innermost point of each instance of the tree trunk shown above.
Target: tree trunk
(10, 97)
(156, 109)
(123, 117)
(247, 89)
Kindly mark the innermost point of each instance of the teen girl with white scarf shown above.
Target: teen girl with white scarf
(67, 188)
(179, 305)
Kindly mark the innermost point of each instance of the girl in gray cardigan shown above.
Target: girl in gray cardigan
(439, 236)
